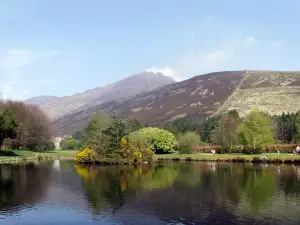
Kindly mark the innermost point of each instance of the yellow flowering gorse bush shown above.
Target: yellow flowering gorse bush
(135, 151)
(86, 155)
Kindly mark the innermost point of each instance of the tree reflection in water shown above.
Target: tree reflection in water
(195, 191)
(22, 184)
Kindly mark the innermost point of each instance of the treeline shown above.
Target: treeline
(117, 139)
(24, 126)
(230, 131)
(114, 139)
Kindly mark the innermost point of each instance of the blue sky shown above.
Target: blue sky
(55, 47)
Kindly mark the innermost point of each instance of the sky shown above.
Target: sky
(55, 47)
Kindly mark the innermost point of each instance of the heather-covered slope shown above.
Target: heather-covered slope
(57, 107)
(199, 97)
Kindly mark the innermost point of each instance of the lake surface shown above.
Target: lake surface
(176, 193)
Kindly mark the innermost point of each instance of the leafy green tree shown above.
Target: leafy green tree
(207, 126)
(132, 125)
(8, 125)
(297, 127)
(69, 144)
(183, 125)
(77, 135)
(284, 126)
(93, 134)
(114, 134)
(159, 140)
(187, 140)
(24, 123)
(255, 132)
(224, 134)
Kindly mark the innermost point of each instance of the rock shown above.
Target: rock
(264, 158)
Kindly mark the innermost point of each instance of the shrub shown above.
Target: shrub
(69, 144)
(9, 144)
(206, 148)
(283, 148)
(159, 140)
(136, 150)
(187, 140)
(86, 156)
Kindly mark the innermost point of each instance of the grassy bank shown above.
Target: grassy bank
(20, 154)
(271, 157)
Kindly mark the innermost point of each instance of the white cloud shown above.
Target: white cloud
(167, 72)
(12, 65)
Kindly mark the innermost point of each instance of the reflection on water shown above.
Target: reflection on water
(185, 193)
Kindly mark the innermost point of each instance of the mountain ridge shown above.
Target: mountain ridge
(198, 97)
(56, 107)
(201, 96)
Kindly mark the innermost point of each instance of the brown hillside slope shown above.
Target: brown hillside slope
(199, 97)
(56, 107)
(270, 91)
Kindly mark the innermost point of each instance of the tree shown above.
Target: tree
(93, 134)
(224, 134)
(69, 144)
(207, 126)
(285, 130)
(187, 140)
(159, 140)
(132, 125)
(297, 127)
(77, 135)
(183, 125)
(114, 134)
(27, 124)
(255, 132)
(8, 125)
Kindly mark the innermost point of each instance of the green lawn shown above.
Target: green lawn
(199, 156)
(6, 154)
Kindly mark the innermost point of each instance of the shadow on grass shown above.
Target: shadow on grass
(7, 153)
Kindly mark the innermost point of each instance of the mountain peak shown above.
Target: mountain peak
(56, 107)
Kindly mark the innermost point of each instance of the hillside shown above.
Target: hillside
(201, 96)
(57, 107)
(270, 91)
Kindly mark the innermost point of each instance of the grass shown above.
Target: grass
(216, 157)
(7, 154)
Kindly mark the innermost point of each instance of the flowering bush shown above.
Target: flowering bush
(136, 151)
(87, 156)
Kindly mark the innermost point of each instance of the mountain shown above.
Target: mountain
(40, 100)
(201, 96)
(57, 107)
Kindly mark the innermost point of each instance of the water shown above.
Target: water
(176, 193)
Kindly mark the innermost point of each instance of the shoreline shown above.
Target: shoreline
(261, 159)
(34, 158)
(269, 158)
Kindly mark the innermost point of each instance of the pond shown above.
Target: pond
(172, 193)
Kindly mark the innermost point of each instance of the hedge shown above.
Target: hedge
(282, 148)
